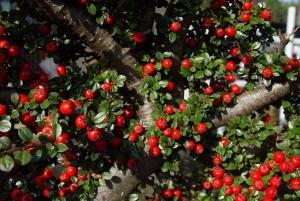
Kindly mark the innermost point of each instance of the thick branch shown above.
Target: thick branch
(99, 40)
(5, 94)
(253, 101)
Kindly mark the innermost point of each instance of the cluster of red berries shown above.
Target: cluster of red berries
(18, 195)
(278, 163)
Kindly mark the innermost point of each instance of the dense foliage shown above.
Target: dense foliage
(60, 135)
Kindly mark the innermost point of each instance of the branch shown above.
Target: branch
(99, 40)
(254, 100)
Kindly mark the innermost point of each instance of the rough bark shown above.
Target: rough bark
(254, 100)
(99, 40)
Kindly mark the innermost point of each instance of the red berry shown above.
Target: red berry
(207, 185)
(208, 90)
(161, 123)
(61, 192)
(236, 189)
(217, 160)
(284, 166)
(230, 65)
(131, 163)
(230, 31)
(73, 187)
(189, 145)
(45, 192)
(271, 192)
(228, 190)
(206, 22)
(89, 94)
(259, 185)
(279, 156)
(169, 109)
(267, 73)
(175, 26)
(228, 179)
(217, 183)
(148, 69)
(234, 51)
(81, 177)
(175, 134)
(154, 151)
(264, 169)
(23, 98)
(109, 20)
(138, 129)
(63, 138)
(247, 5)
(119, 121)
(47, 173)
(132, 137)
(224, 141)
(107, 86)
(167, 63)
(182, 106)
(40, 95)
(230, 78)
(177, 193)
(167, 193)
(4, 44)
(219, 32)
(235, 89)
(26, 118)
(295, 184)
(61, 70)
(13, 51)
(186, 63)
(275, 182)
(128, 112)
(287, 67)
(138, 37)
(199, 149)
(255, 175)
(294, 62)
(80, 121)
(15, 194)
(266, 14)
(247, 60)
(24, 75)
(246, 17)
(66, 107)
(201, 128)
(295, 159)
(71, 171)
(51, 47)
(167, 132)
(94, 134)
(240, 197)
(170, 86)
(152, 141)
(218, 172)
(2, 109)
(64, 177)
(227, 99)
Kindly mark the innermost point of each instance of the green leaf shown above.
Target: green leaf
(25, 134)
(159, 56)
(62, 147)
(100, 19)
(6, 163)
(92, 9)
(5, 126)
(5, 143)
(57, 130)
(284, 145)
(107, 176)
(99, 118)
(14, 97)
(23, 157)
(133, 197)
(172, 37)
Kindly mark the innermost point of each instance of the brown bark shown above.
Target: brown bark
(254, 100)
